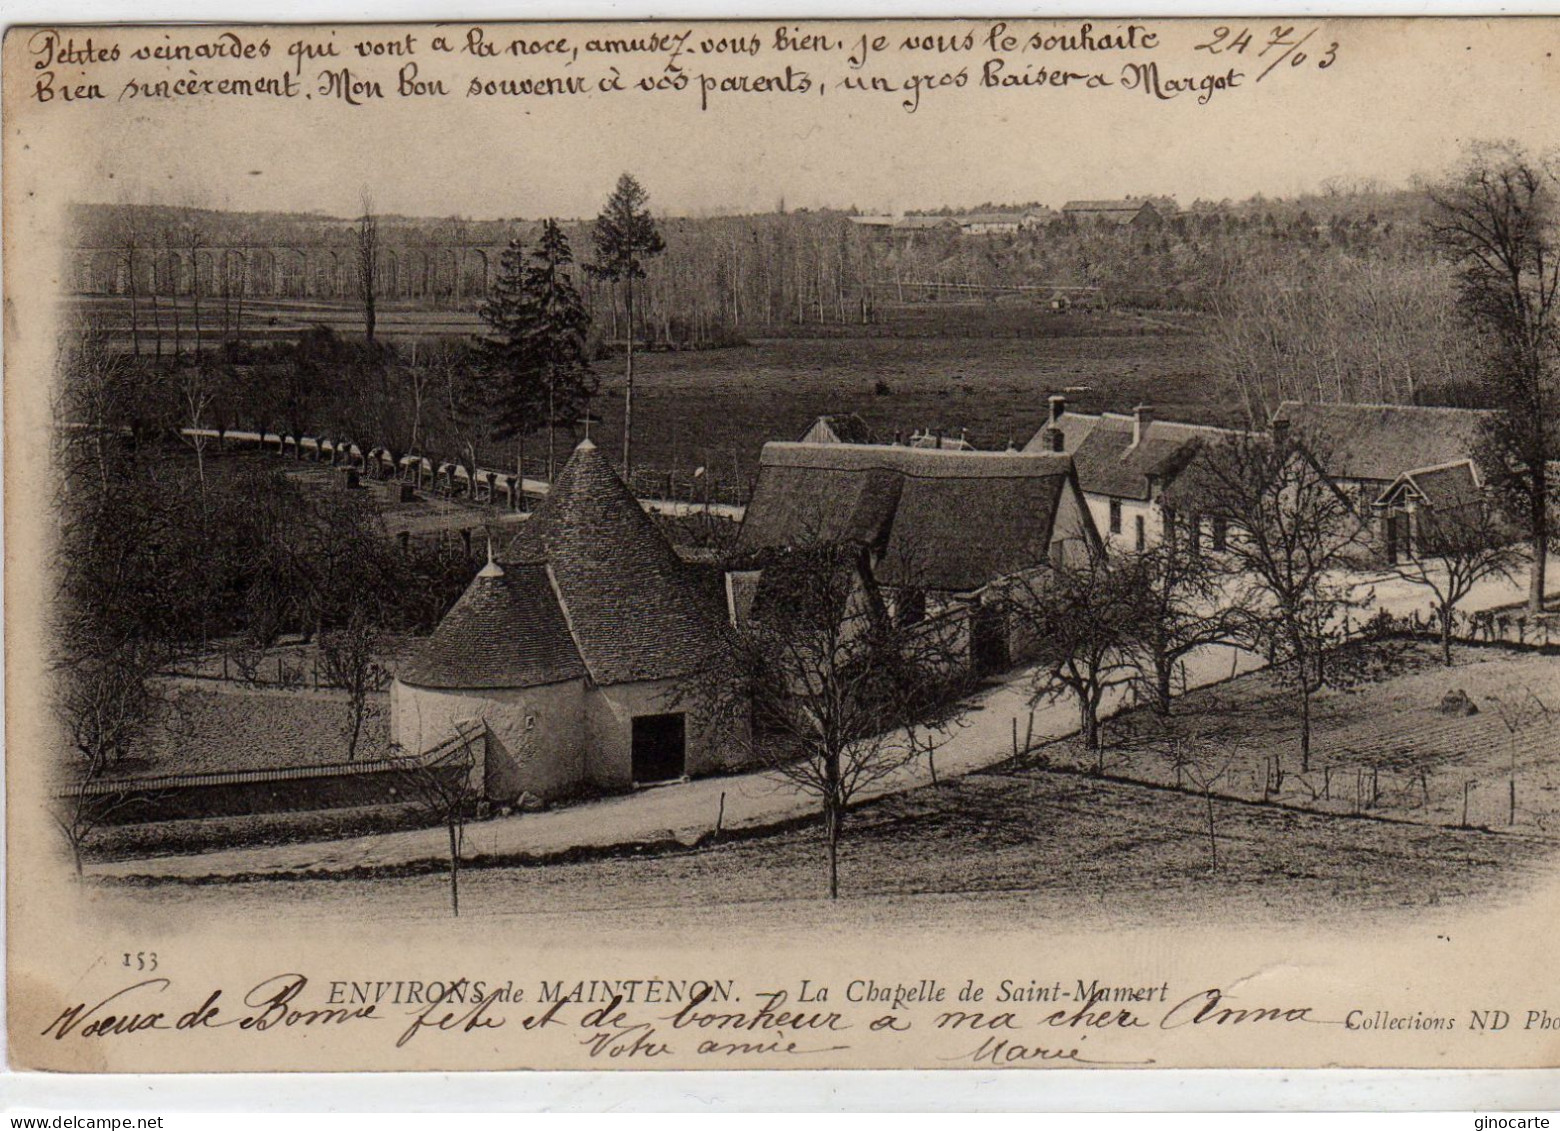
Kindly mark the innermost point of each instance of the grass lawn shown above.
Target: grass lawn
(1382, 747)
(1036, 848)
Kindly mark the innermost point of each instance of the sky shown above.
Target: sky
(1400, 100)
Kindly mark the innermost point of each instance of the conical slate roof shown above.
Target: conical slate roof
(634, 609)
(506, 631)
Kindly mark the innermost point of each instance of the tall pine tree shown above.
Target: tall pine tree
(626, 238)
(555, 323)
(514, 387)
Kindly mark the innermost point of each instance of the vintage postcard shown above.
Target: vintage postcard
(954, 544)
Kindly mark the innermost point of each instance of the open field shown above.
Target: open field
(1382, 748)
(978, 372)
(715, 408)
(1029, 850)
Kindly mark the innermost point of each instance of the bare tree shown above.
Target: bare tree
(106, 699)
(365, 247)
(442, 786)
(350, 657)
(96, 402)
(1203, 757)
(198, 389)
(1291, 536)
(1182, 607)
(194, 243)
(1497, 219)
(1459, 548)
(1518, 711)
(131, 245)
(827, 688)
(1077, 622)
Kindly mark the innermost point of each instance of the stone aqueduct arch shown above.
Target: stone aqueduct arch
(452, 272)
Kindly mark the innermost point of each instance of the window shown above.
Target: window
(1221, 534)
(1115, 516)
(1142, 535)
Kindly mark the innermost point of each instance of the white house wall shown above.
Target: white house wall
(609, 715)
(1131, 510)
(534, 735)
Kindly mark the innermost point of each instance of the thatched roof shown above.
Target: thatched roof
(1445, 487)
(946, 520)
(1110, 464)
(1379, 441)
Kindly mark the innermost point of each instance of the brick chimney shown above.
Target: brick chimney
(1142, 417)
(1058, 406)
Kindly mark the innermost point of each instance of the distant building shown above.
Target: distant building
(1120, 213)
(839, 429)
(1128, 467)
(987, 223)
(925, 224)
(569, 652)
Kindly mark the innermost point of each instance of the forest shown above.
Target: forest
(1336, 295)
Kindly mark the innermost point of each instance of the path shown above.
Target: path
(686, 812)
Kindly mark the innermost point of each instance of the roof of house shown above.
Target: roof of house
(1014, 218)
(1443, 487)
(507, 630)
(846, 428)
(587, 586)
(1122, 211)
(1379, 441)
(940, 519)
(1110, 464)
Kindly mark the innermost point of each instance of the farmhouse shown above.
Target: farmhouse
(568, 652)
(1382, 457)
(1128, 467)
(1117, 213)
(934, 527)
(1423, 511)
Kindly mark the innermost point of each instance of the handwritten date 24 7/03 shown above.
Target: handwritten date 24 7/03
(1282, 45)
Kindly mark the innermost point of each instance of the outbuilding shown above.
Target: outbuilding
(575, 652)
